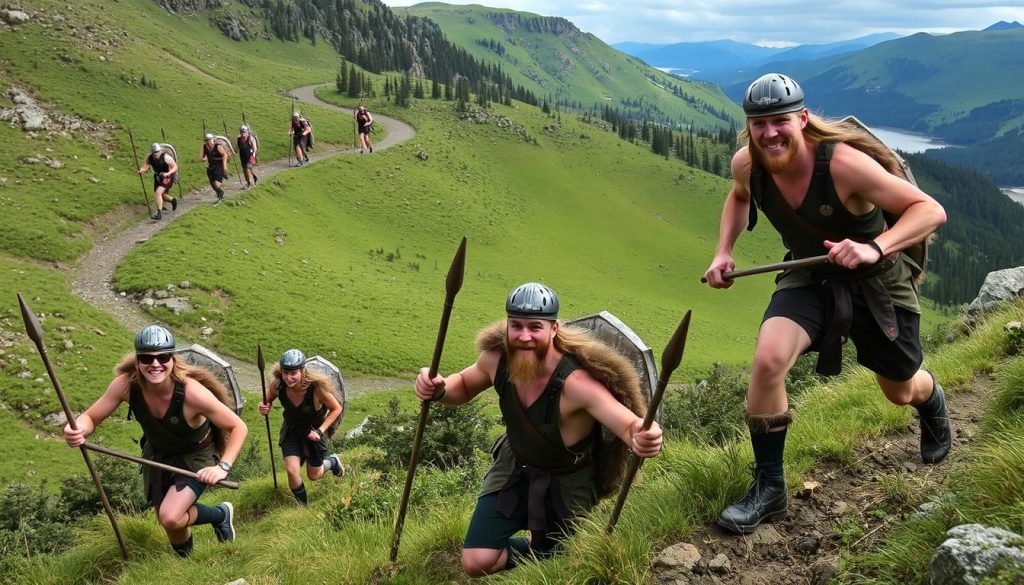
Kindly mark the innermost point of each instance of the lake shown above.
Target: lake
(907, 141)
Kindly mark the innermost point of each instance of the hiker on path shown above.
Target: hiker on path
(165, 173)
(309, 409)
(247, 148)
(364, 123)
(824, 194)
(557, 387)
(184, 423)
(301, 133)
(216, 159)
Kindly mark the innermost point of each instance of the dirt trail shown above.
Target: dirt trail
(851, 510)
(94, 276)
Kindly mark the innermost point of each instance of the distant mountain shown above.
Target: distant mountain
(551, 57)
(1003, 25)
(717, 60)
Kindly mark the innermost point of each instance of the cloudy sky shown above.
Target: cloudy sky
(765, 22)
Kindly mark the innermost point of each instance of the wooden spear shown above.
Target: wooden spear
(787, 265)
(142, 460)
(452, 284)
(35, 333)
(238, 165)
(670, 359)
(263, 385)
(135, 155)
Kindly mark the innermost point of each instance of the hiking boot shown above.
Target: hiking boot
(765, 501)
(936, 432)
(307, 158)
(174, 204)
(157, 216)
(371, 149)
(225, 530)
(336, 467)
(255, 179)
(220, 199)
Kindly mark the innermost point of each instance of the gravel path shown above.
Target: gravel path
(95, 274)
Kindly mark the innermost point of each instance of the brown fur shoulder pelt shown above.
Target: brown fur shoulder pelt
(179, 373)
(608, 367)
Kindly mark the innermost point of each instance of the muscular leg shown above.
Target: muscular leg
(314, 473)
(477, 562)
(914, 391)
(923, 393)
(176, 513)
(779, 343)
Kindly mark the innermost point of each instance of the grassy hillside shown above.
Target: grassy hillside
(555, 60)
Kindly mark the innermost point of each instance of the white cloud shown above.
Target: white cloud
(756, 21)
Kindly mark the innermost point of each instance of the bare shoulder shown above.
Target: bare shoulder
(583, 388)
(120, 387)
(196, 393)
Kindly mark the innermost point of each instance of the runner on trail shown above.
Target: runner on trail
(301, 133)
(165, 173)
(247, 148)
(216, 159)
(184, 423)
(557, 387)
(309, 409)
(364, 122)
(825, 194)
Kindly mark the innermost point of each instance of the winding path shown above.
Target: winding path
(94, 276)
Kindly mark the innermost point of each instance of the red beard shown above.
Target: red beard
(525, 367)
(777, 163)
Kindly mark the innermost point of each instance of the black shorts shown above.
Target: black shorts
(365, 129)
(897, 360)
(300, 140)
(216, 174)
(295, 443)
(488, 528)
(165, 180)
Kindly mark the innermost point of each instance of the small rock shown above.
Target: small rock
(238, 582)
(94, 180)
(766, 534)
(65, 329)
(206, 332)
(839, 508)
(807, 545)
(99, 331)
(14, 16)
(68, 344)
(147, 302)
(55, 164)
(808, 489)
(185, 284)
(680, 557)
(56, 419)
(161, 294)
(720, 564)
(909, 466)
(822, 570)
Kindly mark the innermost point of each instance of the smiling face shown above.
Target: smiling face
(291, 378)
(776, 140)
(158, 368)
(527, 344)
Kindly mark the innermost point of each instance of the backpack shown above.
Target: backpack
(917, 253)
(309, 141)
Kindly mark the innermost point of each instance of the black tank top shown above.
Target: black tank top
(158, 161)
(305, 414)
(213, 155)
(170, 435)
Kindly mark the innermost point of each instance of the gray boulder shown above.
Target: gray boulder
(1001, 285)
(14, 16)
(973, 552)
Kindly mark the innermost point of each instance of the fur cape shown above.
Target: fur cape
(609, 368)
(181, 371)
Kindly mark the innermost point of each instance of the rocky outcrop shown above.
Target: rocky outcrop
(11, 16)
(189, 6)
(999, 286)
(232, 27)
(511, 21)
(973, 552)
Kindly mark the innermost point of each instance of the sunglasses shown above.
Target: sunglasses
(147, 358)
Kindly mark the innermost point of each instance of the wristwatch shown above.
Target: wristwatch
(224, 465)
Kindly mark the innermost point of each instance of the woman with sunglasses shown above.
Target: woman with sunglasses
(185, 423)
(309, 409)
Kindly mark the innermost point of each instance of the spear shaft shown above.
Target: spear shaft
(787, 265)
(163, 466)
(35, 333)
(238, 166)
(263, 386)
(453, 282)
(135, 155)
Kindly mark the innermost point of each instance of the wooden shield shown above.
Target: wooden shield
(617, 335)
(321, 365)
(197, 355)
(226, 143)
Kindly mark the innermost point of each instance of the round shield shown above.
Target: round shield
(169, 149)
(197, 355)
(617, 335)
(223, 141)
(321, 365)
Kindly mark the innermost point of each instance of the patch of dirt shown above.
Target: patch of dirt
(851, 510)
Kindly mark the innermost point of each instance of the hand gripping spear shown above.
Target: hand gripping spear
(670, 359)
(263, 385)
(787, 265)
(135, 155)
(35, 333)
(452, 284)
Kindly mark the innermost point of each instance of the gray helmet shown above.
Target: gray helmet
(293, 359)
(154, 338)
(243, 128)
(155, 147)
(773, 94)
(295, 114)
(208, 136)
(532, 301)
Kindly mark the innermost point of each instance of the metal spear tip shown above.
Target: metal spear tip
(32, 327)
(453, 282)
(673, 353)
(259, 357)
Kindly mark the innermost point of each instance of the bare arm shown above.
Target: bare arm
(735, 214)
(265, 407)
(200, 401)
(105, 405)
(334, 410)
(460, 387)
(145, 166)
(172, 165)
(583, 392)
(858, 179)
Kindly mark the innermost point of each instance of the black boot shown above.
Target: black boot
(936, 432)
(765, 501)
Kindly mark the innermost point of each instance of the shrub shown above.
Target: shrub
(122, 482)
(32, 522)
(710, 411)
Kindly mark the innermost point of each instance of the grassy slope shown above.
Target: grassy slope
(580, 67)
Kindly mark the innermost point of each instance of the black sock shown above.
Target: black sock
(208, 514)
(184, 549)
(517, 549)
(768, 451)
(931, 406)
(300, 494)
